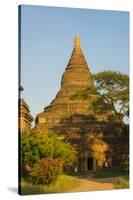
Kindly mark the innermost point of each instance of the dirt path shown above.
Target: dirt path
(88, 184)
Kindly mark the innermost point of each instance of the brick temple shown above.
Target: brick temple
(76, 76)
(25, 118)
(64, 115)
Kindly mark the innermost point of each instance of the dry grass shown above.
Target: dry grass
(64, 183)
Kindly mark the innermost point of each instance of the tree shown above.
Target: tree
(110, 93)
(108, 97)
(113, 94)
(34, 148)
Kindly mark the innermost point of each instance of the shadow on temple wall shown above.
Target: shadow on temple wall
(85, 125)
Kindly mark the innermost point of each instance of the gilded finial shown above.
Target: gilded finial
(77, 41)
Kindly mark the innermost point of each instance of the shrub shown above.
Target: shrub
(35, 147)
(122, 183)
(47, 170)
(63, 184)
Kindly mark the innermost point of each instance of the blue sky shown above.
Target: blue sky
(47, 37)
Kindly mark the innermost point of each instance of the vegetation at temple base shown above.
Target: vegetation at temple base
(63, 183)
(34, 148)
(122, 183)
(44, 157)
(47, 170)
(122, 170)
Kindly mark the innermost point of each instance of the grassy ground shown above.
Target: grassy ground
(63, 184)
(104, 173)
(67, 183)
(102, 179)
(122, 183)
(112, 172)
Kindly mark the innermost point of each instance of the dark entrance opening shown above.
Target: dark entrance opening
(90, 163)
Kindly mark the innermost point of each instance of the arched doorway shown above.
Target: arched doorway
(90, 163)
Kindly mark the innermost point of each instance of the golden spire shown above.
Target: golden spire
(77, 41)
(77, 58)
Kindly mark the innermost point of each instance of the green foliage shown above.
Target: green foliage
(84, 93)
(65, 151)
(51, 134)
(47, 170)
(122, 170)
(63, 184)
(28, 188)
(34, 148)
(122, 183)
(113, 90)
(110, 93)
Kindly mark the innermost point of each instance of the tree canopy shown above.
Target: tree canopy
(111, 91)
(34, 148)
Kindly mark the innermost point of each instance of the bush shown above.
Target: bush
(122, 183)
(119, 171)
(47, 170)
(34, 148)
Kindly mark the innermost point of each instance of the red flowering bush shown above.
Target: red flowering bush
(47, 170)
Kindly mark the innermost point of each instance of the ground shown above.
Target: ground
(105, 179)
(89, 184)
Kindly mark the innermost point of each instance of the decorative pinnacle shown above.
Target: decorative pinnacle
(77, 41)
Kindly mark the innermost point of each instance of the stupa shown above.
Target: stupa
(76, 76)
(66, 115)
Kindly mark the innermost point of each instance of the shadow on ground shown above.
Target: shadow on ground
(13, 189)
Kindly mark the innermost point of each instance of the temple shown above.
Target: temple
(25, 118)
(76, 76)
(75, 116)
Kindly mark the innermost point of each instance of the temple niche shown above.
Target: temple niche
(64, 115)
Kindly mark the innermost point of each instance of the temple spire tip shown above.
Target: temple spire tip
(77, 41)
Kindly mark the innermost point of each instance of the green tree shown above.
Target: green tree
(113, 90)
(110, 93)
(34, 148)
